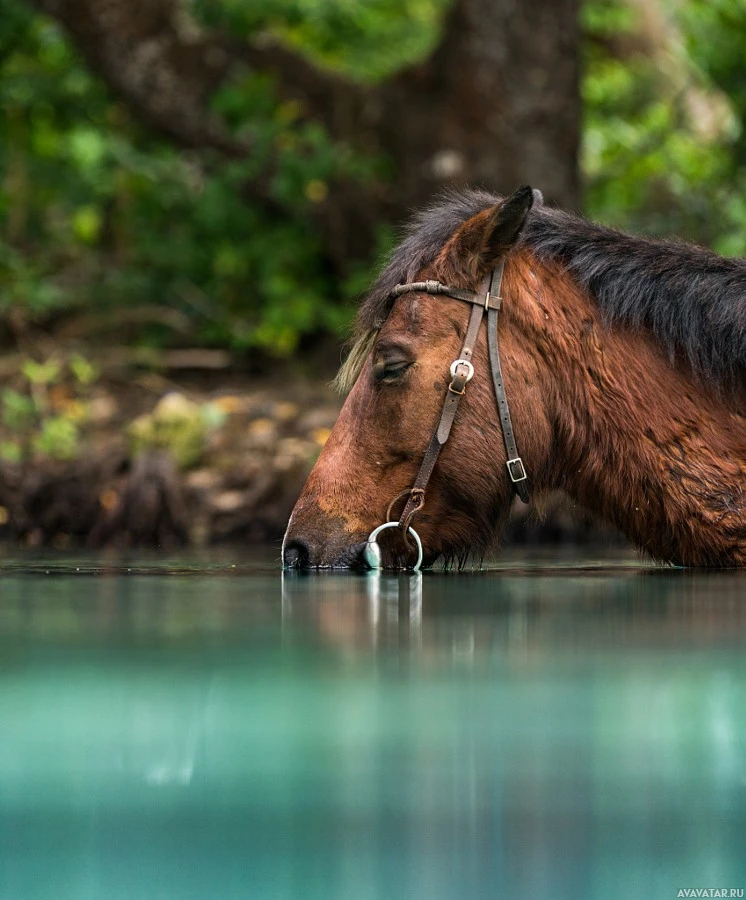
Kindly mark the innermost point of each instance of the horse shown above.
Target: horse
(623, 357)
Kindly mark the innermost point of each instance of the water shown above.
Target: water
(194, 729)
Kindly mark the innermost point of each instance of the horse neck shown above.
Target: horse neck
(638, 440)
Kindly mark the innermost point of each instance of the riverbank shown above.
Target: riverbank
(211, 457)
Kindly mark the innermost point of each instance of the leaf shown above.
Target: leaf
(57, 439)
(42, 374)
(86, 223)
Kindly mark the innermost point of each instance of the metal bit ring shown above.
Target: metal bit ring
(372, 552)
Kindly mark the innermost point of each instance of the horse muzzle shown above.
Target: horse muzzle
(300, 555)
(302, 552)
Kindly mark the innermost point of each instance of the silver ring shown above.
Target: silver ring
(462, 362)
(372, 552)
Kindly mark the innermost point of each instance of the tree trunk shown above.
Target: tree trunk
(496, 104)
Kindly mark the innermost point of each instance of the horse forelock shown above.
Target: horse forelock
(353, 365)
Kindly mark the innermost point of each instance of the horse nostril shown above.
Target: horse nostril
(296, 555)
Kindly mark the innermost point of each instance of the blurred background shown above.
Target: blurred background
(194, 193)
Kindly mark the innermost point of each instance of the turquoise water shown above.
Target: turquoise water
(549, 728)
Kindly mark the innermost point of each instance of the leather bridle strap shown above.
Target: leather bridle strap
(462, 371)
(516, 469)
(487, 300)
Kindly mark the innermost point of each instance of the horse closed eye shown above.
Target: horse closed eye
(392, 370)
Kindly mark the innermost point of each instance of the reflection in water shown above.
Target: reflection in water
(530, 611)
(356, 611)
(525, 732)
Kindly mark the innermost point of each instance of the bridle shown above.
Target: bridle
(486, 300)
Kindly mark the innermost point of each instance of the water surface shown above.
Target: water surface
(193, 728)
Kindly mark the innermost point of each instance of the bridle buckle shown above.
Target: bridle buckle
(517, 464)
(455, 365)
(469, 369)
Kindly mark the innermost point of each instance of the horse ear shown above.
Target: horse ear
(480, 242)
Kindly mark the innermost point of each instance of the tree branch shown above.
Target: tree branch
(167, 68)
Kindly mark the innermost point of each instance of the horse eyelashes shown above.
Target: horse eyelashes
(391, 371)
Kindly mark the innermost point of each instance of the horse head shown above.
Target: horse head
(400, 372)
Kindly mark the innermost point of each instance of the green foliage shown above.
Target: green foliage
(83, 371)
(97, 216)
(178, 426)
(365, 40)
(42, 414)
(715, 38)
(57, 438)
(664, 137)
(18, 411)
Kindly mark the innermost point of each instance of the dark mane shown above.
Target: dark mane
(692, 300)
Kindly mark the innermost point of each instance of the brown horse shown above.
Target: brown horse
(624, 360)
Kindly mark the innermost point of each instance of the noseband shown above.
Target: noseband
(486, 300)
